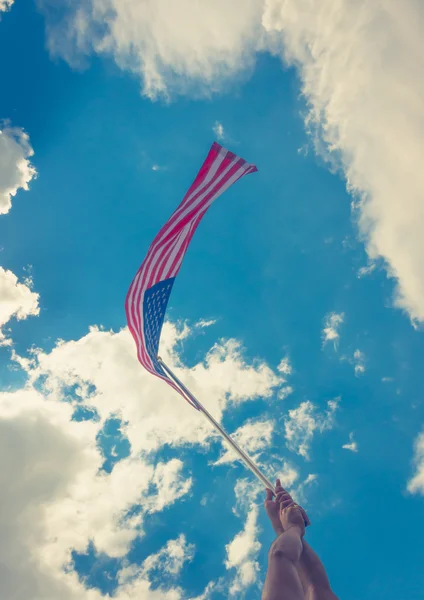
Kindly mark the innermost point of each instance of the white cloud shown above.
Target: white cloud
(219, 131)
(168, 561)
(5, 4)
(107, 361)
(284, 392)
(54, 462)
(212, 585)
(364, 271)
(41, 457)
(171, 557)
(302, 423)
(360, 65)
(16, 300)
(332, 323)
(170, 485)
(242, 552)
(285, 366)
(359, 362)
(16, 170)
(416, 483)
(311, 478)
(352, 445)
(299, 493)
(172, 47)
(286, 369)
(247, 490)
(253, 437)
(135, 582)
(135, 585)
(204, 323)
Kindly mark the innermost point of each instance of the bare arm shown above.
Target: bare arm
(313, 576)
(282, 579)
(311, 571)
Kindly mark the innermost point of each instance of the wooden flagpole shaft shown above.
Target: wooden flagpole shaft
(244, 457)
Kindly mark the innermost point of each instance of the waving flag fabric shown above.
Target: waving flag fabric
(149, 292)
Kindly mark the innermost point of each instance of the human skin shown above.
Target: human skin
(282, 580)
(308, 566)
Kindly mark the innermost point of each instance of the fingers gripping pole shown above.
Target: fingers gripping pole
(244, 457)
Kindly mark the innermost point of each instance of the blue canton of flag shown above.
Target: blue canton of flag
(154, 307)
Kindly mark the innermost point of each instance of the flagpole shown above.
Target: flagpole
(244, 457)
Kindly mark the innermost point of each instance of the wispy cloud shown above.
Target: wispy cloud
(284, 392)
(159, 570)
(332, 324)
(285, 367)
(299, 493)
(219, 131)
(156, 167)
(171, 558)
(364, 271)
(416, 483)
(254, 437)
(204, 323)
(359, 362)
(302, 422)
(209, 589)
(352, 445)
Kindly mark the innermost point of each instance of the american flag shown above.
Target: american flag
(149, 292)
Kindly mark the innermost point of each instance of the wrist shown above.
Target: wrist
(296, 529)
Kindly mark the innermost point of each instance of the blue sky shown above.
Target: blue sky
(314, 297)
